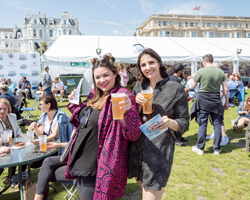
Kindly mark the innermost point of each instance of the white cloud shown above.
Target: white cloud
(116, 32)
(247, 14)
(112, 23)
(147, 7)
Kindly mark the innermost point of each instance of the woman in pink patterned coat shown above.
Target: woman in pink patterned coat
(105, 159)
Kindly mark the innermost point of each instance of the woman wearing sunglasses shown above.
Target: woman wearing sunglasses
(99, 153)
(150, 161)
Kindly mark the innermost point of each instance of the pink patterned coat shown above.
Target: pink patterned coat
(113, 136)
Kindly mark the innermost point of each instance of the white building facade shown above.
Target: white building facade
(37, 29)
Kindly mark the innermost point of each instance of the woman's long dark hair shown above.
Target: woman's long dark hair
(108, 62)
(163, 69)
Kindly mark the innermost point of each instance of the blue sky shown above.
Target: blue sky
(114, 17)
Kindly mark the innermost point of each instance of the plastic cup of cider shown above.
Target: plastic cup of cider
(147, 107)
(43, 142)
(116, 107)
(9, 133)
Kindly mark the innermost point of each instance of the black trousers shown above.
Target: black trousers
(53, 170)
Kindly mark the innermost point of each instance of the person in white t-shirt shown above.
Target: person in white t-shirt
(58, 88)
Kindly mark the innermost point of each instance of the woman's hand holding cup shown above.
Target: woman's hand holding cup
(140, 99)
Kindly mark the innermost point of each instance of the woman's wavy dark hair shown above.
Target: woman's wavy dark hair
(108, 62)
(163, 69)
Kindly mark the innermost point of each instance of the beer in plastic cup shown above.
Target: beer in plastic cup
(116, 108)
(9, 133)
(148, 95)
(43, 142)
(30, 134)
(5, 139)
(232, 122)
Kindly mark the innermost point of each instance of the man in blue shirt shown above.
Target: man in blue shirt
(24, 86)
(231, 85)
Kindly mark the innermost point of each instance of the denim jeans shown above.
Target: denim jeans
(202, 118)
(48, 91)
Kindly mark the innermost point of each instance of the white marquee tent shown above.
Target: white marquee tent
(77, 49)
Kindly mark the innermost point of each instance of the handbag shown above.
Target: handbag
(29, 190)
(65, 153)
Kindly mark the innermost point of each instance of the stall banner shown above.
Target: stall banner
(16, 65)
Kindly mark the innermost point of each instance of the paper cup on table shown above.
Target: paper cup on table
(116, 107)
(30, 134)
(9, 133)
(43, 142)
(5, 139)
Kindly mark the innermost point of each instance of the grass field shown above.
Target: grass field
(193, 177)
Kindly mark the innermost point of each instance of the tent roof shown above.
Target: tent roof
(69, 48)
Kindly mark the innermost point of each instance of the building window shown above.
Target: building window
(50, 22)
(211, 34)
(240, 24)
(30, 46)
(70, 32)
(193, 34)
(29, 33)
(205, 34)
(232, 35)
(213, 24)
(208, 24)
(18, 35)
(64, 31)
(167, 34)
(139, 32)
(186, 24)
(191, 24)
(6, 44)
(246, 25)
(225, 35)
(161, 33)
(219, 25)
(180, 24)
(6, 36)
(19, 44)
(187, 34)
(225, 25)
(59, 32)
(165, 23)
(219, 35)
(203, 24)
(196, 24)
(238, 35)
(171, 23)
(34, 32)
(11, 44)
(34, 21)
(51, 33)
(248, 35)
(64, 22)
(41, 33)
(235, 25)
(180, 34)
(231, 25)
(10, 36)
(159, 23)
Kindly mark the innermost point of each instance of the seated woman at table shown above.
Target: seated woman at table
(8, 121)
(244, 115)
(99, 154)
(53, 122)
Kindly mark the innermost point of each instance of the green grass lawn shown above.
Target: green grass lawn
(193, 177)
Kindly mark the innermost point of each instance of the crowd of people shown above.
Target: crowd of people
(117, 149)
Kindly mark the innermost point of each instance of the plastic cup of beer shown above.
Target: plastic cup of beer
(233, 122)
(5, 139)
(30, 134)
(148, 95)
(9, 133)
(43, 142)
(116, 107)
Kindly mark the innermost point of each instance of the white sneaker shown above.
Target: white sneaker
(210, 136)
(224, 140)
(217, 152)
(197, 150)
(61, 101)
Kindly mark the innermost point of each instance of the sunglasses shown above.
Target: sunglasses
(85, 118)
